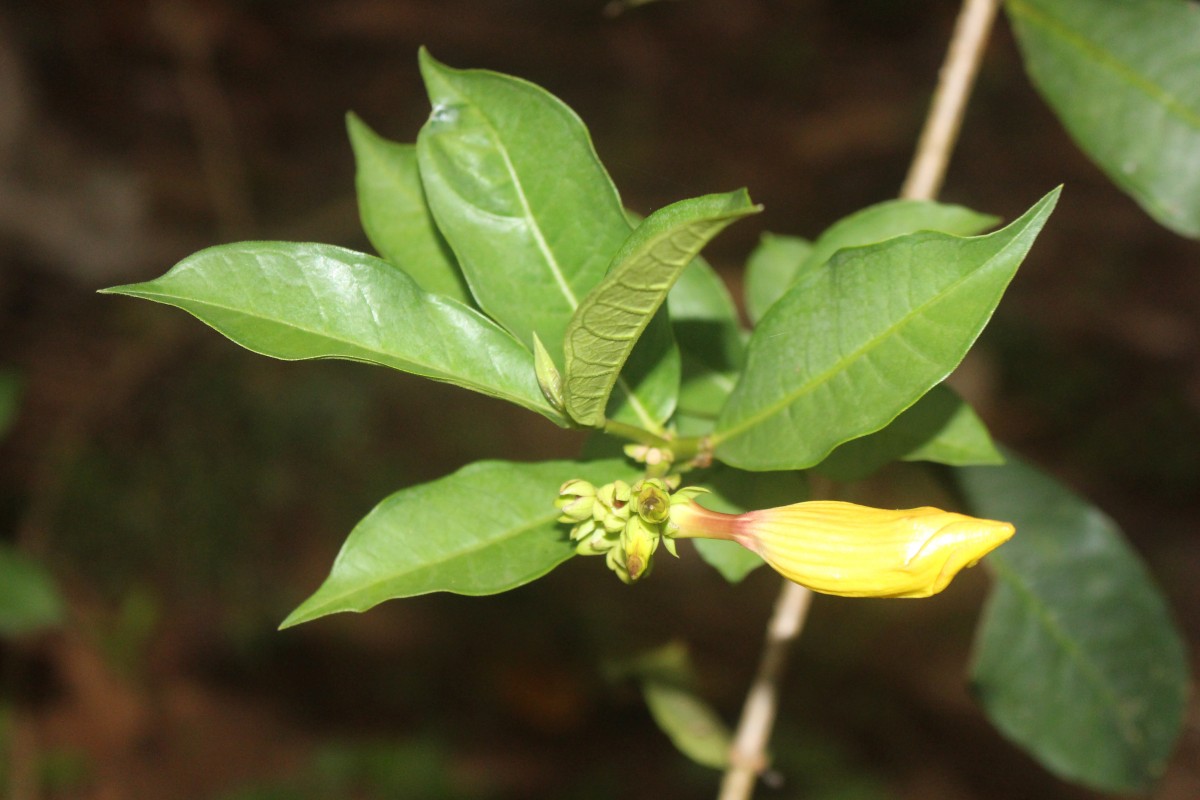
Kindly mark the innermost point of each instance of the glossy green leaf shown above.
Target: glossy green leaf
(693, 726)
(395, 215)
(854, 343)
(1124, 78)
(487, 528)
(519, 193)
(296, 301)
(711, 340)
(890, 219)
(611, 318)
(771, 269)
(733, 491)
(1077, 658)
(939, 427)
(29, 600)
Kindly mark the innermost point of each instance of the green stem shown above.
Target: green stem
(635, 434)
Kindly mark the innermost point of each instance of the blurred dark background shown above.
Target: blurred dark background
(186, 494)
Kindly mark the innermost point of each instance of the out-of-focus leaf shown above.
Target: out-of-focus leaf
(10, 396)
(296, 301)
(692, 725)
(666, 676)
(1076, 658)
(487, 528)
(29, 600)
(1124, 78)
(939, 427)
(771, 269)
(854, 343)
(395, 216)
(609, 320)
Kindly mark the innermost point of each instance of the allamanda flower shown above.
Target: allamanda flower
(852, 550)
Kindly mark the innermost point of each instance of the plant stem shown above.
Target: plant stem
(748, 756)
(634, 434)
(955, 81)
(928, 170)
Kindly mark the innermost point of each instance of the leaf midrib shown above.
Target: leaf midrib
(1105, 58)
(452, 555)
(855, 356)
(1125, 726)
(429, 370)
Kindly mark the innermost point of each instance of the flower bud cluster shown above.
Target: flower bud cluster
(624, 523)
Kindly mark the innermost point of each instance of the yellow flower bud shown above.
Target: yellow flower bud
(852, 550)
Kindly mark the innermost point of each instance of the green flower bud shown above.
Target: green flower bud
(652, 501)
(576, 499)
(639, 540)
(615, 559)
(612, 506)
(594, 541)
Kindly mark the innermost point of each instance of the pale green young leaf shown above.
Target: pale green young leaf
(611, 318)
(296, 301)
(771, 269)
(940, 427)
(520, 195)
(395, 216)
(29, 600)
(1124, 79)
(711, 340)
(1076, 658)
(853, 344)
(490, 527)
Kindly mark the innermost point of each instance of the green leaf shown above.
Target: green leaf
(611, 318)
(666, 675)
(487, 528)
(296, 301)
(890, 219)
(1076, 658)
(939, 427)
(711, 341)
(854, 343)
(395, 216)
(733, 491)
(648, 388)
(771, 269)
(10, 399)
(693, 726)
(519, 193)
(29, 600)
(1124, 78)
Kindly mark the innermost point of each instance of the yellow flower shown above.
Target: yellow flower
(852, 550)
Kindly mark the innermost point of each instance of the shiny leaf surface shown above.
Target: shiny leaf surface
(395, 216)
(296, 301)
(520, 195)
